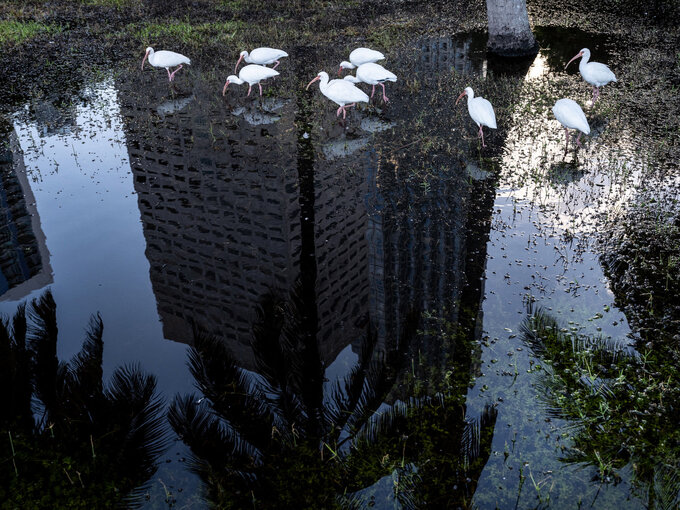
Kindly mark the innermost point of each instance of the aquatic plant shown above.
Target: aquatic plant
(620, 406)
(641, 255)
(69, 441)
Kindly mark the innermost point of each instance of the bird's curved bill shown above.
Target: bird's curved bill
(237, 63)
(317, 78)
(144, 59)
(224, 90)
(340, 71)
(579, 54)
(461, 96)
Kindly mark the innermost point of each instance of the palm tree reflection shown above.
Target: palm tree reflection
(622, 404)
(68, 440)
(286, 438)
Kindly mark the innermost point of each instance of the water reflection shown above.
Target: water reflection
(286, 436)
(621, 404)
(466, 54)
(24, 259)
(72, 439)
(379, 223)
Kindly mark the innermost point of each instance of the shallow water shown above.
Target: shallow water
(168, 207)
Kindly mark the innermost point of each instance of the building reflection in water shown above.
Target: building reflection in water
(24, 258)
(219, 194)
(220, 206)
(463, 53)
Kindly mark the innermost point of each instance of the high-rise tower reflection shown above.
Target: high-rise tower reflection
(24, 259)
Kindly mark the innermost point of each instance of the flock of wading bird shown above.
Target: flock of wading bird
(346, 94)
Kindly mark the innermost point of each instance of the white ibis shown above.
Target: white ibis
(360, 56)
(262, 56)
(593, 72)
(341, 92)
(480, 110)
(165, 59)
(250, 74)
(570, 115)
(373, 74)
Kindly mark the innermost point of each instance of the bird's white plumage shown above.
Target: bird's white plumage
(250, 74)
(570, 115)
(373, 74)
(595, 73)
(263, 56)
(341, 92)
(253, 73)
(480, 110)
(167, 59)
(364, 56)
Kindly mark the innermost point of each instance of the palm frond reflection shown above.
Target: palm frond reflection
(286, 437)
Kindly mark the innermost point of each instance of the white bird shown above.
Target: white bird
(593, 72)
(261, 56)
(373, 74)
(570, 115)
(480, 110)
(251, 74)
(360, 56)
(165, 59)
(341, 92)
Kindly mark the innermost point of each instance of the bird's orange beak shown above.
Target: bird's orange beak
(579, 54)
(237, 63)
(461, 96)
(144, 60)
(224, 90)
(317, 78)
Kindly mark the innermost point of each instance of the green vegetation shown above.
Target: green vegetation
(622, 407)
(117, 4)
(186, 33)
(17, 32)
(642, 258)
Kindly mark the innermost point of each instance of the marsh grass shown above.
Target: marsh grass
(187, 33)
(17, 32)
(618, 405)
(116, 4)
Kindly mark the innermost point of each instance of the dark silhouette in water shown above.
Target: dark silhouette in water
(285, 437)
(69, 441)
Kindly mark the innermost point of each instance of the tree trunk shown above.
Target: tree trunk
(509, 30)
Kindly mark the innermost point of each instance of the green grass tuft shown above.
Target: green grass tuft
(17, 32)
(187, 33)
(116, 4)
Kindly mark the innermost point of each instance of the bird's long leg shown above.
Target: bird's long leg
(172, 76)
(373, 92)
(338, 112)
(249, 87)
(566, 146)
(169, 75)
(344, 109)
(384, 96)
(597, 93)
(481, 133)
(594, 94)
(260, 85)
(578, 140)
(277, 63)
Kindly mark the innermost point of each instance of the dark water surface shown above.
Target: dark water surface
(167, 207)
